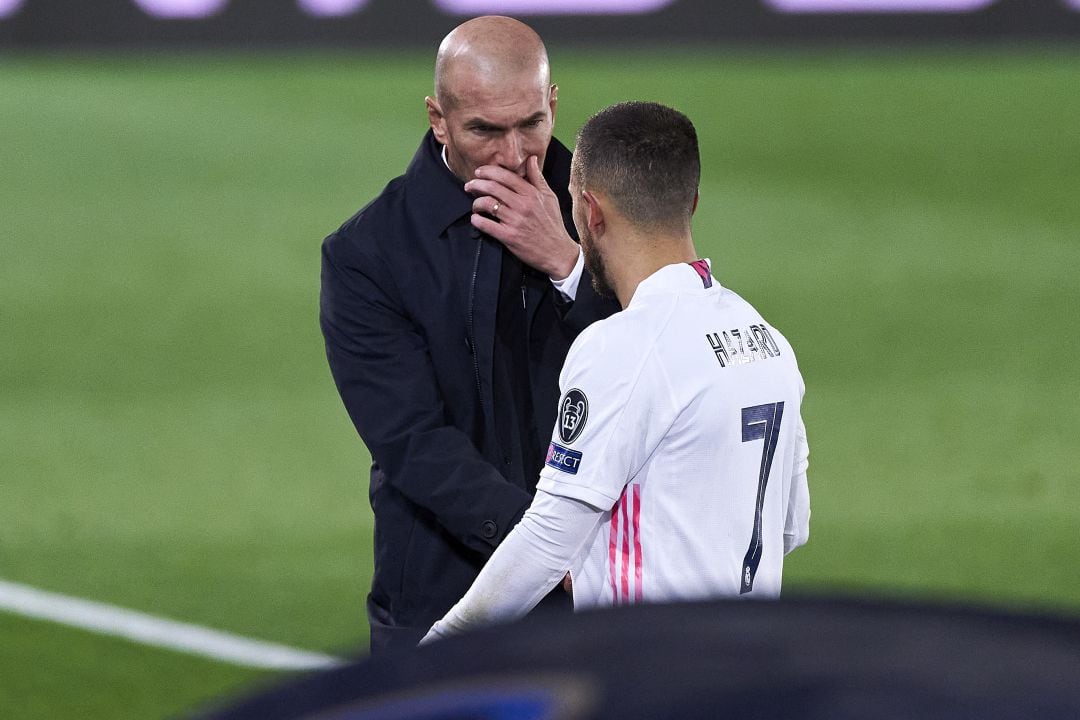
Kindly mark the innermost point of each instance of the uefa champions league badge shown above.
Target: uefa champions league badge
(573, 412)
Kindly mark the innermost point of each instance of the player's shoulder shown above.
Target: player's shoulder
(732, 300)
(739, 305)
(639, 323)
(746, 316)
(620, 343)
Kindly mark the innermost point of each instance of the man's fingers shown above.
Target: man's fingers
(490, 188)
(502, 176)
(491, 205)
(487, 226)
(533, 174)
(500, 182)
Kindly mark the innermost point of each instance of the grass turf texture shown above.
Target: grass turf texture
(172, 441)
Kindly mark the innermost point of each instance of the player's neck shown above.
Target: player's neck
(645, 255)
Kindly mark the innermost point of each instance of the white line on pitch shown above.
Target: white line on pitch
(161, 632)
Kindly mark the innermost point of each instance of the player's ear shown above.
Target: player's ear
(553, 101)
(436, 118)
(697, 196)
(594, 214)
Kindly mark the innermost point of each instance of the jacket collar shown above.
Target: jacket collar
(438, 198)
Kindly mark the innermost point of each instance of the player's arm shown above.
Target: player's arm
(610, 442)
(387, 381)
(533, 559)
(797, 526)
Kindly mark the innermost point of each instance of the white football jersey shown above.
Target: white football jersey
(680, 418)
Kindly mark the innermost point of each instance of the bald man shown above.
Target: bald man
(448, 305)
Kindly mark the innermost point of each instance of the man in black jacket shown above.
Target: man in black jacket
(448, 305)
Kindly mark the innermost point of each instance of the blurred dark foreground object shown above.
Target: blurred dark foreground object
(800, 659)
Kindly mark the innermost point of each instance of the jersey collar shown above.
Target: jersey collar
(679, 277)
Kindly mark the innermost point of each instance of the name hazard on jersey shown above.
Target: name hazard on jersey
(739, 346)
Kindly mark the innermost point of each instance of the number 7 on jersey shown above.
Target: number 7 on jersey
(760, 422)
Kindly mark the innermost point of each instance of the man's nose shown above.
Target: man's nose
(512, 152)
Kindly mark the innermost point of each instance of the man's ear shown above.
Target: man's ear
(594, 214)
(693, 208)
(436, 118)
(553, 101)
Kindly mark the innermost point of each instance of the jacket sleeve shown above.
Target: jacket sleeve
(387, 381)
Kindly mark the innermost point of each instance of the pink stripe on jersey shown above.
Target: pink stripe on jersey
(613, 543)
(702, 269)
(625, 550)
(626, 519)
(637, 542)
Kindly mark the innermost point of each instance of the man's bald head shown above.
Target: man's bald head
(494, 102)
(491, 52)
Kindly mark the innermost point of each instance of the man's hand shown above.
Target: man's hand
(523, 214)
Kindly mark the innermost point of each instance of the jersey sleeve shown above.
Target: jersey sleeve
(532, 560)
(614, 408)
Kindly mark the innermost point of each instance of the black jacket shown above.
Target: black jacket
(408, 309)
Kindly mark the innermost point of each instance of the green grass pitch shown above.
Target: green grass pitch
(171, 441)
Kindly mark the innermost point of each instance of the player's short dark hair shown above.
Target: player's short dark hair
(644, 157)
